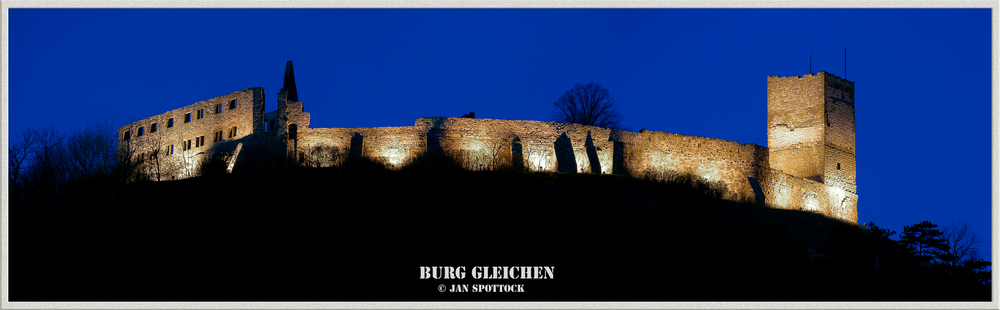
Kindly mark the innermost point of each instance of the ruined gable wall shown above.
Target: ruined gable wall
(249, 102)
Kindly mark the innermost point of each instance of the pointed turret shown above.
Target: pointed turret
(289, 87)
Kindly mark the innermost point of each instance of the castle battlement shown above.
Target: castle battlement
(809, 163)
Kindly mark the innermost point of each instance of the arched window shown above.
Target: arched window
(293, 131)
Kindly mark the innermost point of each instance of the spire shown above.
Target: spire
(289, 86)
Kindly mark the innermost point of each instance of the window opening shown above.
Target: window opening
(170, 122)
(152, 128)
(187, 118)
(142, 130)
(218, 108)
(232, 104)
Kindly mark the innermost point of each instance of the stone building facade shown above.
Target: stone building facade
(809, 163)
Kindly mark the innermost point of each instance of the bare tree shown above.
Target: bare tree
(129, 163)
(589, 104)
(18, 153)
(962, 241)
(92, 152)
(152, 146)
(47, 171)
(497, 150)
(324, 155)
(538, 158)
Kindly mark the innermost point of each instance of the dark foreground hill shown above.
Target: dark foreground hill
(361, 233)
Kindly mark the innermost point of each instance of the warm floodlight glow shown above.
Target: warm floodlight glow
(838, 202)
(710, 171)
(582, 161)
(232, 161)
(782, 195)
(393, 156)
(810, 202)
(540, 161)
(662, 161)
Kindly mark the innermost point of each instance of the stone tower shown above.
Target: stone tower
(286, 96)
(292, 120)
(810, 131)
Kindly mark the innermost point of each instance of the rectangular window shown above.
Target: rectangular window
(202, 138)
(234, 131)
(142, 130)
(170, 122)
(152, 128)
(232, 104)
(187, 118)
(201, 113)
(170, 150)
(128, 134)
(189, 144)
(218, 108)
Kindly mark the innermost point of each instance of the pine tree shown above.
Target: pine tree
(926, 242)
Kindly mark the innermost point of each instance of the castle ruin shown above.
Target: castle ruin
(809, 163)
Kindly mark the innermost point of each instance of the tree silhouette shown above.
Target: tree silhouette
(963, 244)
(926, 241)
(589, 104)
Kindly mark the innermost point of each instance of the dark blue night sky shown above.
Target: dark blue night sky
(922, 76)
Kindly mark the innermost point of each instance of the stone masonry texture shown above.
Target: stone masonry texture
(809, 163)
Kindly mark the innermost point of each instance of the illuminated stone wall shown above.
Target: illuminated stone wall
(839, 147)
(484, 136)
(246, 117)
(784, 191)
(665, 155)
(811, 134)
(809, 164)
(392, 146)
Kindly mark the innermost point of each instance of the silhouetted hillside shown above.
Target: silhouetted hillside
(361, 233)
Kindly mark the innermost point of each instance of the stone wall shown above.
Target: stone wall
(718, 161)
(809, 163)
(485, 142)
(392, 146)
(785, 191)
(493, 140)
